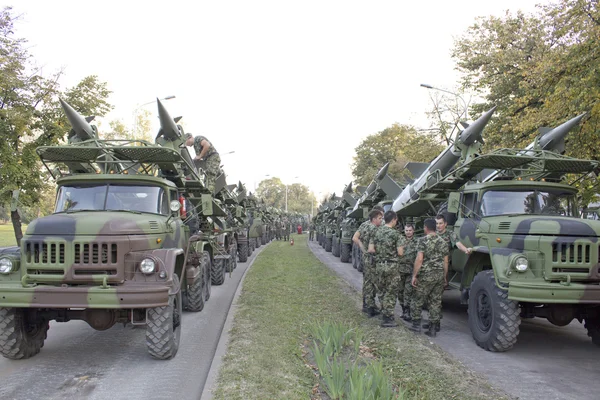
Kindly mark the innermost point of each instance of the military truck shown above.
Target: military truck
(533, 256)
(118, 247)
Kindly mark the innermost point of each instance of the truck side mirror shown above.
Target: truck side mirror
(453, 202)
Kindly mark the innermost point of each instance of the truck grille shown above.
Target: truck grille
(75, 261)
(577, 260)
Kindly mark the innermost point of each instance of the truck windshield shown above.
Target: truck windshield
(541, 202)
(146, 199)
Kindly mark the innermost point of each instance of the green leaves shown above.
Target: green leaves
(540, 70)
(397, 144)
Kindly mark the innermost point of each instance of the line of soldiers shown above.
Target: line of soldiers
(413, 271)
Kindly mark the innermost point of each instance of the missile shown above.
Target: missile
(550, 139)
(445, 161)
(82, 130)
(168, 126)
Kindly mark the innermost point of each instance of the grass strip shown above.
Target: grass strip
(285, 292)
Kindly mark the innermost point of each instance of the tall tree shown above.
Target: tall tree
(30, 115)
(397, 144)
(540, 70)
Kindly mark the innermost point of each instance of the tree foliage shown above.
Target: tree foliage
(30, 114)
(540, 70)
(273, 192)
(397, 144)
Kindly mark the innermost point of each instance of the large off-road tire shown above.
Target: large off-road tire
(328, 244)
(243, 252)
(232, 264)
(263, 240)
(19, 338)
(206, 262)
(193, 297)
(217, 272)
(493, 319)
(593, 330)
(257, 242)
(334, 246)
(251, 246)
(345, 252)
(163, 327)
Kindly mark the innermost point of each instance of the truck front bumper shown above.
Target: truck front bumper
(573, 293)
(113, 297)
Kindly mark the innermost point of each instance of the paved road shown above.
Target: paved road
(548, 362)
(78, 362)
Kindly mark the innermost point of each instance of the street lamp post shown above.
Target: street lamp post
(135, 110)
(465, 110)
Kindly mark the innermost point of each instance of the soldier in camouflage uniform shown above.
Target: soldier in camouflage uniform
(451, 239)
(206, 158)
(429, 278)
(362, 238)
(386, 243)
(407, 261)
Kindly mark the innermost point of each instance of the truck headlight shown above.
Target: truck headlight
(6, 266)
(521, 264)
(147, 266)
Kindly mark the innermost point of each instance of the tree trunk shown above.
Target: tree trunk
(16, 221)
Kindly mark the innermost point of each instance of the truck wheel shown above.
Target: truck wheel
(243, 252)
(217, 273)
(328, 243)
(19, 337)
(196, 295)
(345, 252)
(593, 329)
(334, 245)
(263, 239)
(163, 327)
(493, 319)
(232, 264)
(207, 265)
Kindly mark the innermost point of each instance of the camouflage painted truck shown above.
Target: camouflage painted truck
(117, 248)
(533, 256)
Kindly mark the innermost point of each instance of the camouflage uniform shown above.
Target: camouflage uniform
(211, 164)
(407, 262)
(367, 229)
(451, 238)
(430, 281)
(387, 241)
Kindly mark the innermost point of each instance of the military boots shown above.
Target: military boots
(434, 328)
(388, 322)
(372, 311)
(426, 326)
(416, 326)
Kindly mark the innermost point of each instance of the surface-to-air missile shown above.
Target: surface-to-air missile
(116, 249)
(469, 138)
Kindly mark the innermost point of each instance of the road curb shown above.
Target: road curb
(221, 350)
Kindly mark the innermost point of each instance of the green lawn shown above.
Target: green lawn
(288, 289)
(7, 235)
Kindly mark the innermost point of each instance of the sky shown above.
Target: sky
(291, 87)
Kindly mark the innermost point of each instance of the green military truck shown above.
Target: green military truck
(118, 248)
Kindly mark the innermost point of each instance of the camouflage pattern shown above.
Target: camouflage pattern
(367, 230)
(387, 241)
(211, 164)
(430, 280)
(407, 262)
(450, 237)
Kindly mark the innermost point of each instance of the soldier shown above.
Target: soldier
(362, 237)
(450, 237)
(311, 231)
(387, 244)
(428, 279)
(206, 158)
(407, 261)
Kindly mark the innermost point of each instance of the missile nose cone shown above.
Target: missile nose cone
(348, 188)
(473, 132)
(167, 124)
(554, 136)
(81, 127)
(383, 171)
